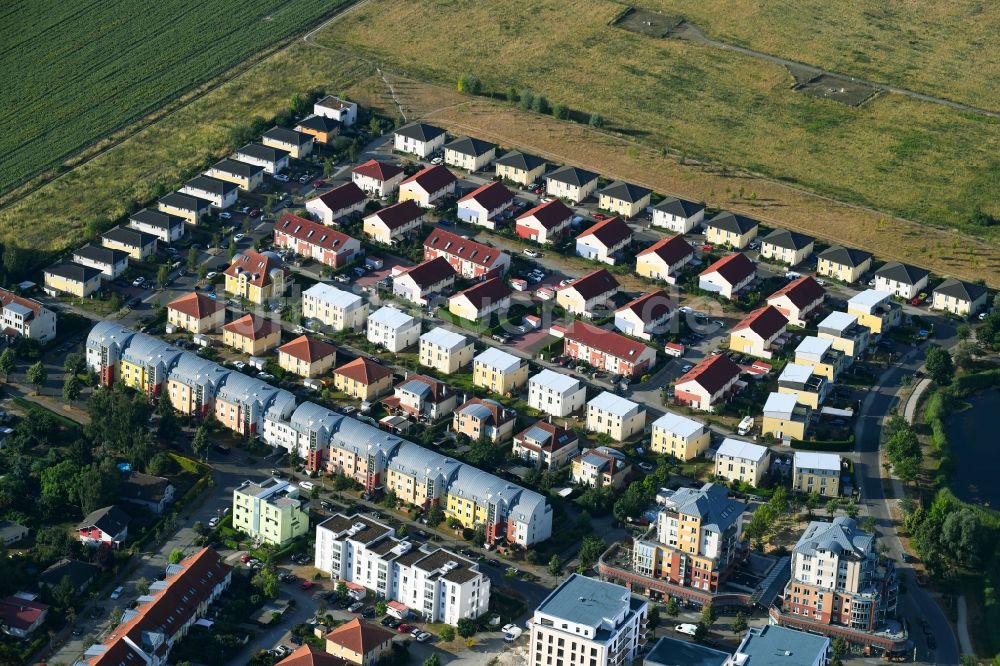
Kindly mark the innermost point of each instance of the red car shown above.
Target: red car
(255, 212)
(706, 248)
(244, 558)
(307, 584)
(318, 183)
(600, 217)
(404, 628)
(539, 189)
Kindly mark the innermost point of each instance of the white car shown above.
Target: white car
(118, 592)
(687, 628)
(436, 160)
(306, 485)
(821, 283)
(138, 282)
(281, 178)
(512, 632)
(225, 215)
(213, 522)
(531, 253)
(211, 275)
(239, 237)
(792, 275)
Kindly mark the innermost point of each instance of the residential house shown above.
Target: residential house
(740, 461)
(484, 205)
(469, 154)
(252, 335)
(360, 643)
(256, 276)
(80, 574)
(520, 168)
(762, 645)
(710, 382)
(344, 201)
(105, 526)
(481, 301)
(624, 199)
(901, 280)
(545, 223)
(247, 177)
(244, 404)
(322, 129)
(338, 309)
(759, 332)
(272, 511)
(821, 356)
(11, 532)
(193, 383)
(728, 276)
(482, 418)
(785, 417)
(71, 278)
(425, 281)
(584, 295)
(445, 351)
(669, 651)
(602, 467)
(546, 446)
(111, 263)
(394, 223)
(221, 194)
(680, 437)
(614, 416)
(678, 215)
(423, 397)
(846, 333)
(592, 619)
(875, 310)
(313, 240)
(166, 227)
(379, 179)
(555, 393)
(798, 299)
(470, 259)
(499, 371)
(22, 614)
(363, 379)
(196, 313)
(343, 111)
(307, 357)
(190, 209)
(787, 247)
(273, 160)
(309, 655)
(26, 317)
(419, 139)
(799, 380)
(814, 472)
(959, 298)
(731, 229)
(664, 258)
(392, 329)
(607, 350)
(843, 263)
(296, 144)
(646, 316)
(570, 183)
(428, 187)
(137, 244)
(152, 492)
(604, 241)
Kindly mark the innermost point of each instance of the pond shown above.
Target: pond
(974, 442)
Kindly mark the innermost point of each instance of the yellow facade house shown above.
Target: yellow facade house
(251, 335)
(71, 278)
(363, 379)
(360, 643)
(730, 229)
(256, 276)
(499, 371)
(785, 417)
(520, 168)
(680, 437)
(307, 357)
(196, 313)
(816, 473)
(843, 263)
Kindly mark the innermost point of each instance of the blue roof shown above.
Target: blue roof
(537, 434)
(415, 386)
(586, 601)
(672, 652)
(781, 646)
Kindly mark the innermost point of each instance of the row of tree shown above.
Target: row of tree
(527, 99)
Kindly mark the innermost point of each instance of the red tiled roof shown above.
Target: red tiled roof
(430, 272)
(463, 248)
(359, 637)
(487, 292)
(550, 214)
(343, 196)
(610, 232)
(734, 268)
(307, 349)
(712, 373)
(20, 613)
(490, 196)
(196, 305)
(594, 284)
(609, 342)
(258, 264)
(801, 292)
(765, 322)
(363, 370)
(671, 250)
(378, 170)
(8, 297)
(398, 215)
(251, 326)
(311, 232)
(432, 179)
(650, 307)
(307, 655)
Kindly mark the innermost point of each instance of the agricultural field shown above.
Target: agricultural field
(915, 159)
(73, 72)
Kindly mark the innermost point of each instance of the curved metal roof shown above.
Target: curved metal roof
(148, 350)
(108, 334)
(194, 370)
(361, 438)
(309, 417)
(237, 387)
(417, 461)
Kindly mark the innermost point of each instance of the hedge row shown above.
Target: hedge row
(824, 445)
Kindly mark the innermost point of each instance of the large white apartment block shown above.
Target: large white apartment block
(392, 329)
(587, 622)
(437, 584)
(555, 394)
(340, 310)
(445, 351)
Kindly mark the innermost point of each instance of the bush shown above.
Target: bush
(596, 120)
(447, 634)
(824, 445)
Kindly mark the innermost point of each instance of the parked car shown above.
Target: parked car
(211, 275)
(225, 215)
(139, 281)
(281, 178)
(118, 591)
(531, 253)
(404, 628)
(687, 628)
(307, 485)
(254, 212)
(356, 607)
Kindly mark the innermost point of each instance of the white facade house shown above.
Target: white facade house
(737, 460)
(555, 393)
(615, 416)
(341, 310)
(469, 154)
(484, 205)
(959, 298)
(346, 200)
(110, 262)
(419, 139)
(901, 280)
(377, 178)
(26, 317)
(167, 228)
(604, 241)
(425, 281)
(343, 111)
(570, 183)
(222, 194)
(678, 215)
(392, 329)
(273, 160)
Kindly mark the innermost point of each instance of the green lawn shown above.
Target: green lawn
(74, 71)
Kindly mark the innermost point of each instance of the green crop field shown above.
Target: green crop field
(74, 71)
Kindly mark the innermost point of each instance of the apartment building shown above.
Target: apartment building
(737, 460)
(555, 394)
(816, 472)
(445, 351)
(470, 259)
(546, 446)
(271, 511)
(846, 334)
(340, 310)
(799, 380)
(820, 354)
(764, 646)
(392, 329)
(680, 437)
(614, 416)
(315, 241)
(499, 371)
(785, 417)
(256, 276)
(607, 350)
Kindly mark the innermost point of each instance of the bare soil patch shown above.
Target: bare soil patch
(834, 88)
(646, 22)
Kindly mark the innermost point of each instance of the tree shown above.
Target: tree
(342, 592)
(540, 104)
(466, 627)
(812, 501)
(526, 99)
(555, 565)
(673, 607)
(37, 375)
(176, 555)
(700, 631)
(7, 362)
(64, 593)
(512, 94)
(432, 660)
(590, 551)
(162, 275)
(71, 388)
(381, 607)
(447, 633)
(740, 623)
(266, 580)
(832, 505)
(142, 586)
(708, 615)
(596, 120)
(560, 111)
(964, 331)
(192, 259)
(851, 508)
(168, 427)
(869, 525)
(199, 443)
(654, 617)
(115, 617)
(939, 366)
(75, 364)
(632, 502)
(963, 531)
(963, 354)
